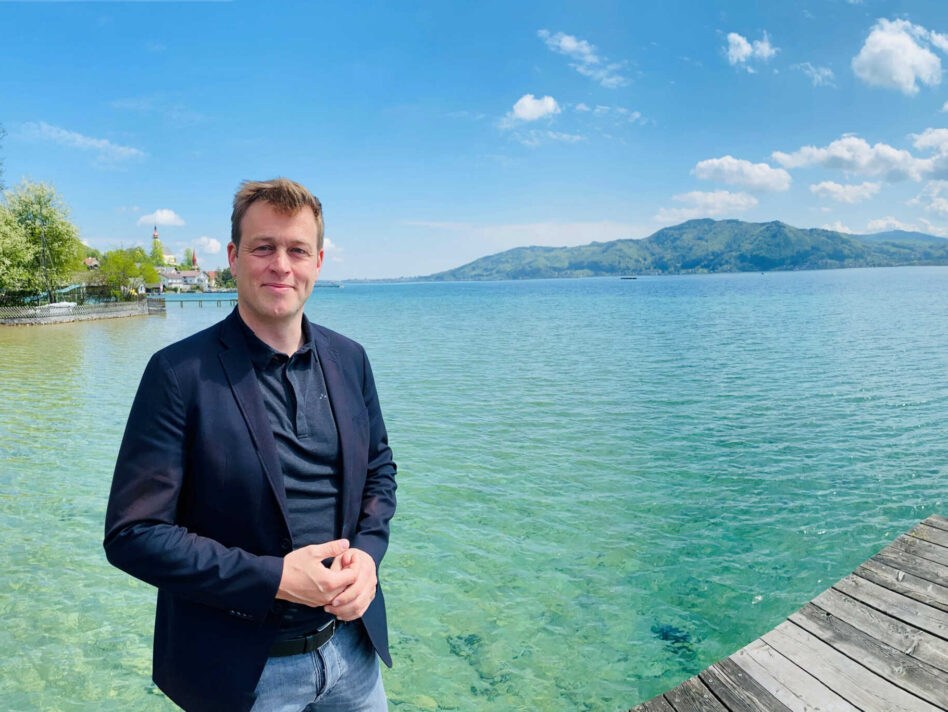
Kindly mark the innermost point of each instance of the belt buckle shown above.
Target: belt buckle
(313, 641)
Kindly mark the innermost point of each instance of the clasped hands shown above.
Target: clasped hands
(344, 590)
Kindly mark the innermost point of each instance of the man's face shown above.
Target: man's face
(276, 264)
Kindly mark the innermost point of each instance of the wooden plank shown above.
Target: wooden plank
(917, 547)
(739, 691)
(930, 534)
(899, 635)
(915, 676)
(905, 609)
(656, 704)
(915, 565)
(794, 687)
(938, 521)
(903, 580)
(693, 696)
(849, 679)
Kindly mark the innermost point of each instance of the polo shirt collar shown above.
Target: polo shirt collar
(261, 353)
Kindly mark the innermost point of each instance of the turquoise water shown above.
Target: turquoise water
(604, 485)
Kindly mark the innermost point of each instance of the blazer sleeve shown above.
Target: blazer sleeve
(378, 495)
(141, 534)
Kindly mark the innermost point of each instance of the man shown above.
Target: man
(254, 487)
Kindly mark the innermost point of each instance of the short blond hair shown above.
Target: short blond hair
(286, 196)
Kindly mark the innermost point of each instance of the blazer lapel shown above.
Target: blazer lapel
(243, 383)
(341, 411)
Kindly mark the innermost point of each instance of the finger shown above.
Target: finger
(328, 549)
(340, 579)
(355, 609)
(344, 598)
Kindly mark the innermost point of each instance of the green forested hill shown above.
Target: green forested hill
(708, 245)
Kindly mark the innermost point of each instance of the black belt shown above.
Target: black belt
(297, 646)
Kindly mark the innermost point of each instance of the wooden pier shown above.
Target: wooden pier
(877, 641)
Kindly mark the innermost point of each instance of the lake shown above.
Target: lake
(604, 485)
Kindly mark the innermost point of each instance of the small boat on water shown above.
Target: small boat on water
(628, 277)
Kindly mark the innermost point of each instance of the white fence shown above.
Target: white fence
(69, 311)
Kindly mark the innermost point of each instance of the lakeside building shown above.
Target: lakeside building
(184, 280)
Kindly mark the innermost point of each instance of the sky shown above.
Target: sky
(438, 132)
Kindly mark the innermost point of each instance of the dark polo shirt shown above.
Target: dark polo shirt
(297, 403)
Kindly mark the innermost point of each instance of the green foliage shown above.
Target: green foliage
(149, 274)
(91, 252)
(188, 256)
(16, 254)
(700, 246)
(225, 280)
(43, 217)
(157, 256)
(118, 268)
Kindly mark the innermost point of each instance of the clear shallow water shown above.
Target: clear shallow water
(586, 467)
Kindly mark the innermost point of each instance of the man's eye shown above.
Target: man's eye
(299, 251)
(262, 249)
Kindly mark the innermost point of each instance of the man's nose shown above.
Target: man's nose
(281, 261)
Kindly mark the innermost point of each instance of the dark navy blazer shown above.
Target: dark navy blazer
(198, 509)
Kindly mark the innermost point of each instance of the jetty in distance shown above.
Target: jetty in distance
(876, 641)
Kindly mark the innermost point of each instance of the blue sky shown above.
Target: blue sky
(438, 132)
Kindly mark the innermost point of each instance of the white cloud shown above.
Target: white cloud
(586, 59)
(738, 48)
(162, 216)
(932, 197)
(618, 113)
(740, 51)
(582, 107)
(819, 76)
(534, 138)
(551, 234)
(208, 245)
(106, 151)
(700, 205)
(855, 155)
(560, 136)
(897, 55)
(944, 107)
(889, 223)
(529, 108)
(932, 139)
(837, 226)
(735, 171)
(932, 229)
(845, 193)
(174, 111)
(330, 246)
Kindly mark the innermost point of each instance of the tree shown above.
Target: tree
(54, 241)
(188, 255)
(16, 254)
(225, 279)
(118, 268)
(157, 253)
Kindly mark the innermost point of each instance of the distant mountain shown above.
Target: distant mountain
(901, 236)
(700, 246)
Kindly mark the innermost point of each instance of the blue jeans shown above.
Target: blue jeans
(342, 676)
